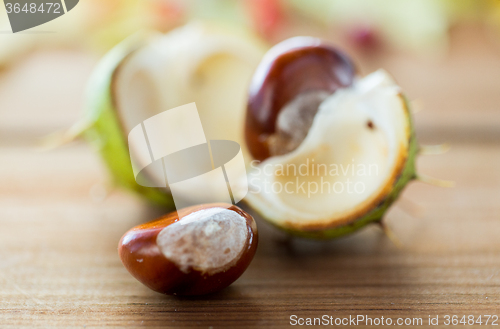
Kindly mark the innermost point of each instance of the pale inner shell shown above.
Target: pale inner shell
(208, 240)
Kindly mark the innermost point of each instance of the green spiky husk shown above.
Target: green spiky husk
(376, 214)
(103, 125)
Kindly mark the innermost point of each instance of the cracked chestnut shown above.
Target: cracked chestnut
(291, 81)
(195, 251)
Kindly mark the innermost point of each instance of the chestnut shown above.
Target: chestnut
(293, 78)
(194, 251)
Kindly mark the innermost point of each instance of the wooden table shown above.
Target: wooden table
(58, 259)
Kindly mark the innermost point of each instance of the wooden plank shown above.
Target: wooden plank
(60, 265)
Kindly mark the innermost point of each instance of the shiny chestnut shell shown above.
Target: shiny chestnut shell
(292, 67)
(141, 255)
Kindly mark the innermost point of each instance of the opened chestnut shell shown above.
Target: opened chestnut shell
(195, 251)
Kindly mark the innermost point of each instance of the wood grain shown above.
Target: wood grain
(59, 264)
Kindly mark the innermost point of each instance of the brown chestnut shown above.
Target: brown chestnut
(293, 78)
(194, 251)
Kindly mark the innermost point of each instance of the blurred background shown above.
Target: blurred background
(61, 219)
(443, 52)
